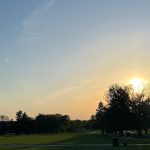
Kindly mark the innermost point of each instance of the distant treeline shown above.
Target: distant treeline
(41, 124)
(124, 110)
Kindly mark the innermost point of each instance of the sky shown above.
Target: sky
(60, 56)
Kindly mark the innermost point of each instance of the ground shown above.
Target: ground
(71, 141)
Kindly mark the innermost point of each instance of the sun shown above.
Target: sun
(137, 84)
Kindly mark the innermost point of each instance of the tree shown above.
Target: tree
(100, 117)
(52, 123)
(140, 112)
(24, 124)
(18, 124)
(118, 111)
(19, 115)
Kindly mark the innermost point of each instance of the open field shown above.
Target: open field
(101, 148)
(68, 141)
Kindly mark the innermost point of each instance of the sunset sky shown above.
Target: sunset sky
(60, 56)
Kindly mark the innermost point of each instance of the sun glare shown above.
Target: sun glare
(137, 84)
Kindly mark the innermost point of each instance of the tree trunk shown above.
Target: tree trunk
(115, 132)
(146, 131)
(102, 131)
(121, 132)
(139, 132)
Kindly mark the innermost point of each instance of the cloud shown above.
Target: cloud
(32, 23)
(61, 92)
(6, 60)
(69, 100)
(74, 93)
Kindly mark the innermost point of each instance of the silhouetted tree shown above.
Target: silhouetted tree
(119, 107)
(140, 112)
(52, 123)
(100, 117)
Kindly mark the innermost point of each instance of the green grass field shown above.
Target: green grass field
(71, 139)
(98, 148)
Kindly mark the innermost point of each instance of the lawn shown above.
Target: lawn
(71, 139)
(85, 148)
(68, 138)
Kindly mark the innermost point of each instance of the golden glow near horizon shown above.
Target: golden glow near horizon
(137, 84)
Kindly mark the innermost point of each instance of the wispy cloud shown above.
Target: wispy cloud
(6, 60)
(71, 99)
(32, 23)
(62, 92)
(78, 91)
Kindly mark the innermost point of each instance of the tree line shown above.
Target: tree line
(124, 110)
(41, 124)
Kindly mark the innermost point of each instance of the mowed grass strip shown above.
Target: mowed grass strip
(70, 138)
(56, 139)
(35, 139)
(83, 148)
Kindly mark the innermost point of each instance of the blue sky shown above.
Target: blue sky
(61, 55)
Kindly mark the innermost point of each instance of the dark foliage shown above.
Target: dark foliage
(42, 124)
(123, 111)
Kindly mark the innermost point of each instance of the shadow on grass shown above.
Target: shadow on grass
(85, 139)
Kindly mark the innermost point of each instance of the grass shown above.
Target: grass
(98, 148)
(74, 138)
(57, 139)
